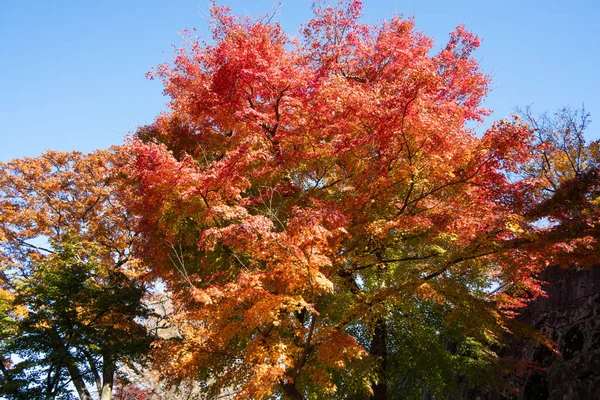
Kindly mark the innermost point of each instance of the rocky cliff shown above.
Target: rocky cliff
(570, 315)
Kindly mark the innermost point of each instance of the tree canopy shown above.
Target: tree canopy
(317, 212)
(324, 217)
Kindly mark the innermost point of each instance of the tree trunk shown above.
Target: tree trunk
(93, 369)
(291, 391)
(108, 376)
(379, 351)
(82, 390)
(71, 365)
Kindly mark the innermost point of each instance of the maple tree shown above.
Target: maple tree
(327, 224)
(69, 287)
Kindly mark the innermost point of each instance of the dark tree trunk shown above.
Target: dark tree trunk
(379, 351)
(71, 365)
(291, 391)
(108, 376)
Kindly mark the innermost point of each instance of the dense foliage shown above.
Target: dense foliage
(325, 220)
(69, 286)
(315, 215)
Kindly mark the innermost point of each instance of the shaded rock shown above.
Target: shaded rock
(570, 315)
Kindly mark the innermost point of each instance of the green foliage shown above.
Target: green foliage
(70, 295)
(77, 310)
(429, 356)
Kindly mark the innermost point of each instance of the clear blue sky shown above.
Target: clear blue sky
(72, 72)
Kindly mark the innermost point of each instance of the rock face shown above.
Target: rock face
(570, 315)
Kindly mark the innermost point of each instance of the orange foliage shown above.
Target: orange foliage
(299, 188)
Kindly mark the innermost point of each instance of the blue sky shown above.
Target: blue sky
(72, 73)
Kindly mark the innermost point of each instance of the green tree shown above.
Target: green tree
(72, 300)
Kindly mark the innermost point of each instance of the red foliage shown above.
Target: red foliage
(298, 187)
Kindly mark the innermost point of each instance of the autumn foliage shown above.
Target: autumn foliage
(70, 293)
(318, 211)
(316, 206)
